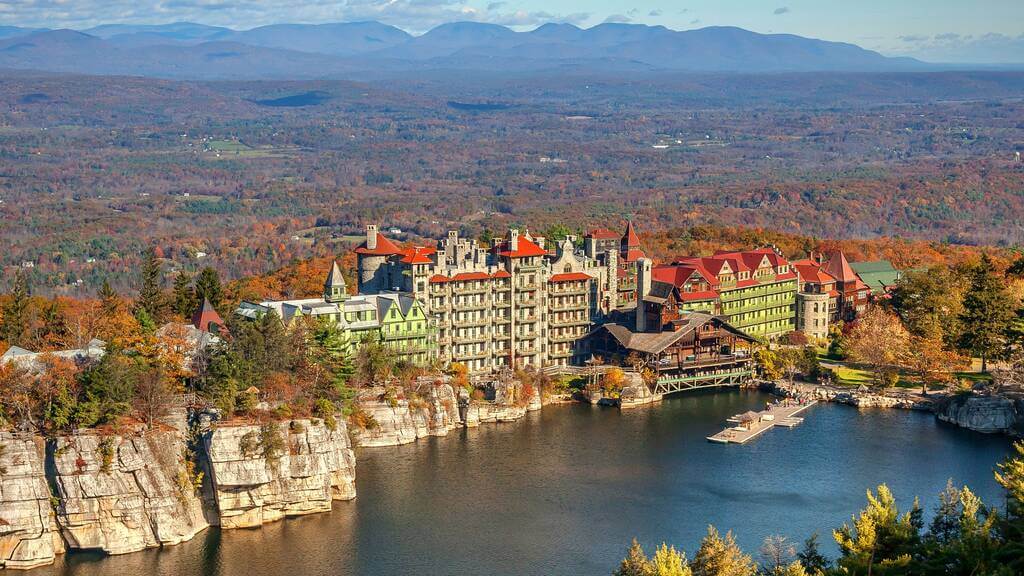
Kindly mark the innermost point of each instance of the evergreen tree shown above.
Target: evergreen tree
(813, 561)
(718, 556)
(151, 295)
(987, 314)
(881, 540)
(668, 561)
(1010, 476)
(184, 296)
(1017, 268)
(110, 304)
(55, 330)
(15, 322)
(635, 563)
(208, 287)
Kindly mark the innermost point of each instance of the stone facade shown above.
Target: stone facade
(512, 304)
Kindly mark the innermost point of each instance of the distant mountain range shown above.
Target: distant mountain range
(303, 51)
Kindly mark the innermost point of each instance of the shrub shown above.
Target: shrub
(324, 408)
(249, 444)
(106, 451)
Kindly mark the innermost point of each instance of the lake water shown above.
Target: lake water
(564, 490)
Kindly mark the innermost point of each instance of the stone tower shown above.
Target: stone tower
(643, 288)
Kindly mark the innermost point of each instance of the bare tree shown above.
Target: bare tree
(153, 396)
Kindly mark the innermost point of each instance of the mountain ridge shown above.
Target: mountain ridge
(300, 51)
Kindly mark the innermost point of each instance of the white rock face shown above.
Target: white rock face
(123, 495)
(315, 467)
(28, 533)
(988, 414)
(635, 392)
(399, 421)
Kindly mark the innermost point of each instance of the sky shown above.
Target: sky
(976, 31)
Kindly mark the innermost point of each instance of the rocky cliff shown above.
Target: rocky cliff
(394, 418)
(28, 533)
(988, 414)
(123, 494)
(260, 474)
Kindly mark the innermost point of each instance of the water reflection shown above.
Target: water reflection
(563, 491)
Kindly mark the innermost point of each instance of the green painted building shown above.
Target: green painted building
(394, 319)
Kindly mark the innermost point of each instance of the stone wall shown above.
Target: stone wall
(28, 533)
(124, 494)
(254, 483)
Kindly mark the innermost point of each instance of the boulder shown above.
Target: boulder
(987, 414)
(28, 532)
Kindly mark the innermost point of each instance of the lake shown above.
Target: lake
(564, 490)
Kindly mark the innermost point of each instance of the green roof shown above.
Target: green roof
(877, 274)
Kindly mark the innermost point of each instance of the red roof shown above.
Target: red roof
(206, 318)
(697, 296)
(501, 274)
(384, 247)
(810, 272)
(466, 276)
(417, 255)
(840, 268)
(526, 249)
(634, 254)
(632, 240)
(569, 277)
(438, 279)
(602, 234)
(674, 275)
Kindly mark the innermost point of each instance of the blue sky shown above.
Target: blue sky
(937, 30)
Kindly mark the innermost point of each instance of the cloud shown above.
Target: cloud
(654, 13)
(781, 11)
(990, 48)
(618, 19)
(412, 15)
(695, 21)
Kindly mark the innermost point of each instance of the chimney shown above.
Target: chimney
(643, 288)
(539, 240)
(513, 240)
(371, 236)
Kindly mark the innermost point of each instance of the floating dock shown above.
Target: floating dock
(748, 426)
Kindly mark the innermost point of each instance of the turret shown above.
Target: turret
(335, 290)
(643, 288)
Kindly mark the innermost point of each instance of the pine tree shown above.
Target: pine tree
(55, 331)
(184, 296)
(987, 315)
(635, 563)
(718, 556)
(151, 295)
(208, 287)
(668, 561)
(1011, 526)
(110, 304)
(813, 561)
(15, 322)
(881, 539)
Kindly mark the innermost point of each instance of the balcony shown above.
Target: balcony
(581, 291)
(474, 355)
(568, 306)
(501, 320)
(471, 290)
(471, 305)
(569, 322)
(528, 335)
(527, 303)
(565, 338)
(471, 322)
(475, 339)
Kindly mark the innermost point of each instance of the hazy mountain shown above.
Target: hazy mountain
(341, 39)
(187, 50)
(11, 31)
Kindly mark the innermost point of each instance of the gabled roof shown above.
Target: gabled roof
(810, 272)
(658, 342)
(633, 254)
(384, 247)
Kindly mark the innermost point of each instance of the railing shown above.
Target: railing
(471, 339)
(569, 322)
(567, 307)
(470, 323)
(470, 290)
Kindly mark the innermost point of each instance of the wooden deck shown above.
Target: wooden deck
(780, 416)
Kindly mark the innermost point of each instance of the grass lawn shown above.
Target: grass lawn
(853, 377)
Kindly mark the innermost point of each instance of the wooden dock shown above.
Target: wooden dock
(748, 426)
